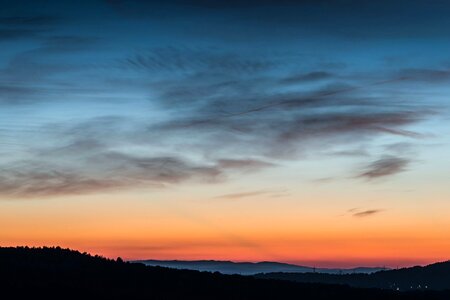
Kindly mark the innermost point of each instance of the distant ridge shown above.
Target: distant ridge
(249, 268)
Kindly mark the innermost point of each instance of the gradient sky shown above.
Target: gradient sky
(310, 132)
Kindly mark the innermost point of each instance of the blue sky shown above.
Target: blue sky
(271, 79)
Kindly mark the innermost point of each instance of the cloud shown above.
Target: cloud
(13, 34)
(270, 20)
(385, 166)
(243, 164)
(401, 148)
(349, 152)
(367, 213)
(239, 4)
(250, 194)
(38, 75)
(241, 195)
(426, 75)
(15, 94)
(190, 59)
(241, 98)
(86, 158)
(252, 111)
(209, 115)
(66, 43)
(359, 212)
(21, 27)
(323, 180)
(30, 21)
(99, 172)
(308, 77)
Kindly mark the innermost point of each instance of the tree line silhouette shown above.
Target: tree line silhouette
(55, 273)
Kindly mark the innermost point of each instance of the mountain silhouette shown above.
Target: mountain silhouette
(248, 268)
(55, 273)
(435, 277)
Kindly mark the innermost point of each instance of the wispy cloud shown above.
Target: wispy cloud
(385, 166)
(427, 75)
(249, 194)
(25, 21)
(244, 164)
(367, 213)
(99, 172)
(359, 212)
(308, 77)
(25, 27)
(188, 59)
(7, 34)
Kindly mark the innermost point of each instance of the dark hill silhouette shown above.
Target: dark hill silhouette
(435, 276)
(248, 268)
(55, 273)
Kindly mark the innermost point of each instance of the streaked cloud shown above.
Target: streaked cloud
(100, 172)
(244, 164)
(308, 77)
(359, 212)
(249, 194)
(26, 26)
(385, 166)
(367, 213)
(34, 20)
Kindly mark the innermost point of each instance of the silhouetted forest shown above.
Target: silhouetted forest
(435, 276)
(55, 273)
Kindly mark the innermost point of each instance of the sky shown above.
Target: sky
(308, 132)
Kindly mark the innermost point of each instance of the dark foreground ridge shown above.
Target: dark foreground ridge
(432, 277)
(55, 273)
